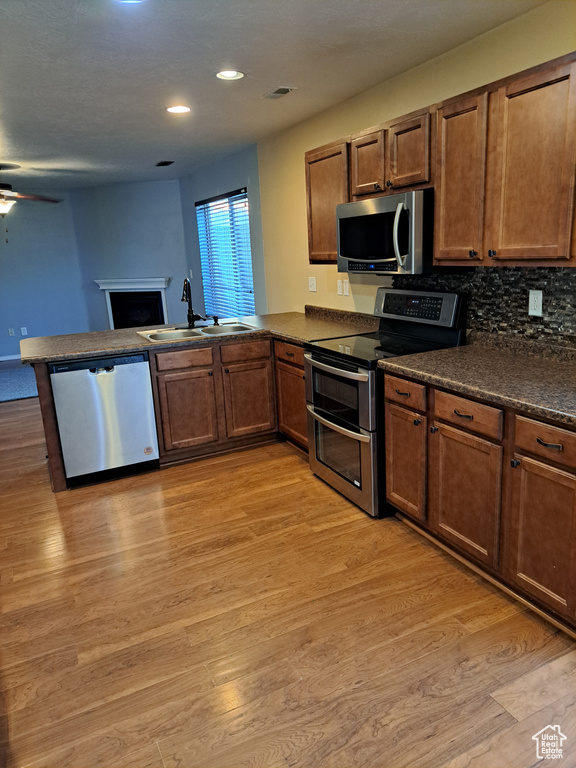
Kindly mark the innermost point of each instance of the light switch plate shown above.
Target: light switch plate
(339, 287)
(311, 283)
(346, 287)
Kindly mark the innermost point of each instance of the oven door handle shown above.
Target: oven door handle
(337, 371)
(364, 437)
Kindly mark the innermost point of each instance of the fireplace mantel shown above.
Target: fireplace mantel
(153, 284)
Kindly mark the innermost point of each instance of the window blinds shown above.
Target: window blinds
(224, 234)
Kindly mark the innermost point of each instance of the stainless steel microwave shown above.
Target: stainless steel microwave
(391, 235)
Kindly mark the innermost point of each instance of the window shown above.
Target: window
(224, 234)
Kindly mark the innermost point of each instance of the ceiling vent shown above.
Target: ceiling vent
(277, 93)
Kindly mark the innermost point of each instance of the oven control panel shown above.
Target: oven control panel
(417, 306)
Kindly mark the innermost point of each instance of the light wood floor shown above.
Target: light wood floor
(238, 612)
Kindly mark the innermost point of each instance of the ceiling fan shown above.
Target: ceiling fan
(8, 197)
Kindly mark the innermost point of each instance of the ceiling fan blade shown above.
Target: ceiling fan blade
(36, 198)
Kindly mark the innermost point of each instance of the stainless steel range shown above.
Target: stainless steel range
(344, 388)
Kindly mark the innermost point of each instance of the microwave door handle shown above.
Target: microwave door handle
(336, 371)
(361, 438)
(399, 258)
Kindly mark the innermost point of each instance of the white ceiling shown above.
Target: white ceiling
(84, 83)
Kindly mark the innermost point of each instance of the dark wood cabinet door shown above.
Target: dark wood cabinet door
(187, 408)
(249, 401)
(291, 392)
(460, 180)
(409, 151)
(530, 186)
(465, 492)
(542, 555)
(367, 163)
(406, 464)
(326, 187)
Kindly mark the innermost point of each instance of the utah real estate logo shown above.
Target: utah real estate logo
(549, 743)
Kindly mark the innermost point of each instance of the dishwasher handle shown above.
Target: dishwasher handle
(99, 371)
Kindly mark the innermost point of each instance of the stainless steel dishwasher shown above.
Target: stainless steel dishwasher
(105, 413)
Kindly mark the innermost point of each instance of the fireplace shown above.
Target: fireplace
(135, 302)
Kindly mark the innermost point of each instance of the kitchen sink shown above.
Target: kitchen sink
(172, 334)
(219, 330)
(182, 334)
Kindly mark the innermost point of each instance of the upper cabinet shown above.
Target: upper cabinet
(501, 159)
(409, 151)
(460, 179)
(326, 187)
(505, 173)
(391, 156)
(530, 186)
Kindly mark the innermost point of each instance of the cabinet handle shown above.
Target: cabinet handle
(464, 415)
(555, 446)
(403, 394)
(515, 463)
(491, 253)
(433, 429)
(472, 253)
(417, 422)
(289, 354)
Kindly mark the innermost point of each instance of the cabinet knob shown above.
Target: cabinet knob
(433, 429)
(417, 422)
(491, 253)
(226, 370)
(210, 373)
(472, 253)
(515, 463)
(377, 186)
(389, 183)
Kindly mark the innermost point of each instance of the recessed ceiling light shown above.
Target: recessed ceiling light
(230, 74)
(179, 109)
(130, 1)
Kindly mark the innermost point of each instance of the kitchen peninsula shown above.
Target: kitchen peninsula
(210, 395)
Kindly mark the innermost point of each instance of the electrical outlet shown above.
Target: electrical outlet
(346, 287)
(10, 331)
(535, 303)
(24, 330)
(311, 283)
(339, 287)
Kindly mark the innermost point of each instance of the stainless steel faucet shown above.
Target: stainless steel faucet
(187, 296)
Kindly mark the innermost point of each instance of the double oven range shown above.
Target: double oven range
(345, 392)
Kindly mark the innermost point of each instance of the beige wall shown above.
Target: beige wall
(538, 36)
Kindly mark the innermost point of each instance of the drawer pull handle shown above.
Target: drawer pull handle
(555, 446)
(289, 354)
(402, 394)
(464, 415)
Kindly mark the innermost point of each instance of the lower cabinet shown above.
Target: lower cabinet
(211, 398)
(542, 552)
(291, 392)
(465, 491)
(507, 502)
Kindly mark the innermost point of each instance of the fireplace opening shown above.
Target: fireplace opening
(132, 309)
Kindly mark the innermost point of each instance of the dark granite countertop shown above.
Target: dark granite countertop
(537, 384)
(298, 327)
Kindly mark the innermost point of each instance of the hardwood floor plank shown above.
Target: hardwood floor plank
(537, 689)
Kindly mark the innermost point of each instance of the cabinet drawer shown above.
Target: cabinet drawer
(184, 358)
(289, 352)
(406, 392)
(252, 350)
(465, 413)
(544, 440)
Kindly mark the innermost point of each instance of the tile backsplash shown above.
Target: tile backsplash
(497, 299)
